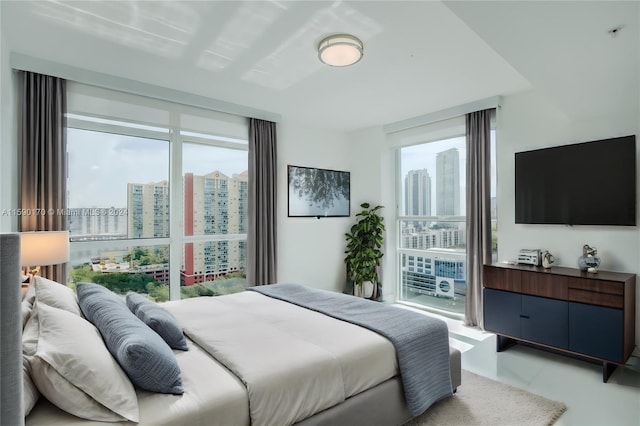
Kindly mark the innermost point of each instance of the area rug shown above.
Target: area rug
(482, 401)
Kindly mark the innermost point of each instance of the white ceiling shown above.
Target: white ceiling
(419, 56)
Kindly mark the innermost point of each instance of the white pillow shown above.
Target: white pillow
(30, 331)
(30, 392)
(27, 304)
(47, 292)
(56, 295)
(74, 370)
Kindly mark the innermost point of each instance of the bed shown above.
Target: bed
(252, 358)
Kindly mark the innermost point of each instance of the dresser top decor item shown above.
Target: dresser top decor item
(589, 261)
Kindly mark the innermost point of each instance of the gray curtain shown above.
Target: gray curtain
(11, 410)
(43, 159)
(262, 204)
(478, 129)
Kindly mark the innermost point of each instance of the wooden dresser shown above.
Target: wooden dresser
(591, 315)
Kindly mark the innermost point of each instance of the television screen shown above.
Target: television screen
(591, 183)
(318, 192)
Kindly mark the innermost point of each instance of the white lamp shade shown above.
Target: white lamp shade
(340, 50)
(42, 248)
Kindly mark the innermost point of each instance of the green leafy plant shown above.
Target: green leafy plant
(364, 243)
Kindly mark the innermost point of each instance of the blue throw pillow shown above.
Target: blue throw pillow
(158, 319)
(142, 354)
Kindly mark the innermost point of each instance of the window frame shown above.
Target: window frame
(173, 134)
(441, 131)
(399, 250)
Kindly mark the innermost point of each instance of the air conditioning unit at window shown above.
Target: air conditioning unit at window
(444, 287)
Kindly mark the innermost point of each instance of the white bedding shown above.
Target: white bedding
(212, 396)
(295, 363)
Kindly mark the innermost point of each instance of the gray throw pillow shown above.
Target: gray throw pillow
(158, 319)
(142, 354)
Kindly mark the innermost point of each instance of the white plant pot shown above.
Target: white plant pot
(367, 289)
(357, 290)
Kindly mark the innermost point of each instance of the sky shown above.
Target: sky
(102, 164)
(423, 156)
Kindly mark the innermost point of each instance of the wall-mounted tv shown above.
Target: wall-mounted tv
(590, 183)
(318, 193)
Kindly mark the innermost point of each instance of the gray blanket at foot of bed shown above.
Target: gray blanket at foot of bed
(421, 342)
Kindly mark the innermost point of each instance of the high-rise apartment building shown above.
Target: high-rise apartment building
(417, 193)
(448, 183)
(427, 238)
(215, 204)
(148, 210)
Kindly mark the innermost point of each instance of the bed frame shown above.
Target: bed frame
(383, 404)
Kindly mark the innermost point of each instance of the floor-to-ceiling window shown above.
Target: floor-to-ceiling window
(215, 218)
(157, 195)
(431, 217)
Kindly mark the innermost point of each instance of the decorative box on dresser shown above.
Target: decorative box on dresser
(590, 315)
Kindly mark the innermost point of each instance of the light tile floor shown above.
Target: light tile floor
(576, 383)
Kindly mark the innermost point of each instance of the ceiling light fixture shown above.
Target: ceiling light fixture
(340, 50)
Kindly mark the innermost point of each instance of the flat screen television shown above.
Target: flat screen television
(590, 183)
(318, 193)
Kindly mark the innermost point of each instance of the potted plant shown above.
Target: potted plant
(364, 243)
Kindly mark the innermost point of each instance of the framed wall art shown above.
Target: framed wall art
(318, 193)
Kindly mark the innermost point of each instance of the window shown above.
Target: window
(432, 215)
(157, 195)
(215, 206)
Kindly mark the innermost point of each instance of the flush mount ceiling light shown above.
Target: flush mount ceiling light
(340, 50)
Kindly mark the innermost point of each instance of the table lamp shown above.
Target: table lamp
(42, 248)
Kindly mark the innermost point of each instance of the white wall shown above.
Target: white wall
(372, 181)
(310, 250)
(528, 121)
(3, 108)
(525, 121)
(8, 146)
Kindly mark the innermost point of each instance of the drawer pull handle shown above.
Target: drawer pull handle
(524, 316)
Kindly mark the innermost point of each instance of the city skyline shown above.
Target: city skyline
(214, 204)
(417, 193)
(448, 183)
(424, 157)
